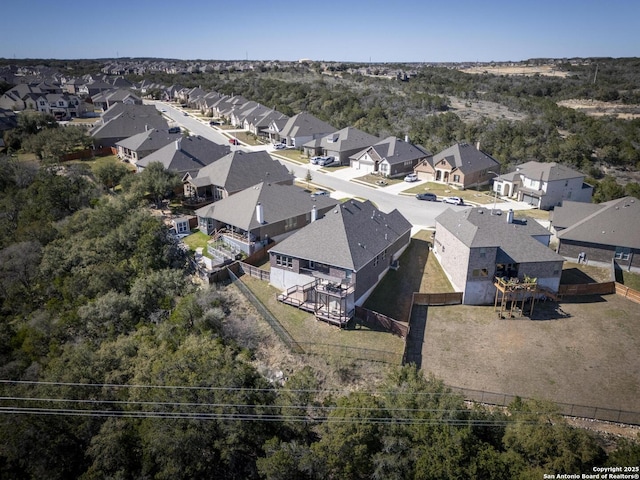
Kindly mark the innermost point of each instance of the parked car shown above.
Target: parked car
(325, 161)
(185, 114)
(279, 146)
(412, 177)
(431, 197)
(314, 160)
(174, 130)
(319, 193)
(214, 122)
(453, 200)
(234, 141)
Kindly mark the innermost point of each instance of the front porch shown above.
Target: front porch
(327, 300)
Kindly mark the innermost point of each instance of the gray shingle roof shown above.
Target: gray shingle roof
(615, 223)
(348, 138)
(279, 202)
(394, 151)
(187, 155)
(477, 228)
(349, 236)
(547, 172)
(239, 170)
(127, 124)
(150, 140)
(305, 124)
(466, 158)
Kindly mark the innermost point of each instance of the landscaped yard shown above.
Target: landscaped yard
(482, 196)
(196, 240)
(293, 155)
(378, 180)
(99, 161)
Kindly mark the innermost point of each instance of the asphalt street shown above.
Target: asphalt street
(421, 214)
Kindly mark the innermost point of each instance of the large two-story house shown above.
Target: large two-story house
(475, 248)
(543, 185)
(461, 165)
(123, 121)
(334, 263)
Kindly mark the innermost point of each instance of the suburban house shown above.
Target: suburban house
(230, 174)
(543, 185)
(390, 157)
(24, 96)
(299, 129)
(602, 232)
(258, 122)
(334, 263)
(340, 145)
(105, 100)
(93, 87)
(123, 121)
(255, 217)
(139, 146)
(461, 165)
(186, 155)
(8, 120)
(477, 250)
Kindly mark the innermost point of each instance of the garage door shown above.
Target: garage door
(529, 199)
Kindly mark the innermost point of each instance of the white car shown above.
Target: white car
(412, 177)
(279, 146)
(453, 200)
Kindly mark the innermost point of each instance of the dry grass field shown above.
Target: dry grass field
(581, 351)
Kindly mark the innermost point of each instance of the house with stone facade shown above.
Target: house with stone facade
(476, 248)
(340, 145)
(461, 166)
(390, 157)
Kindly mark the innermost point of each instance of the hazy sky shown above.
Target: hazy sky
(359, 31)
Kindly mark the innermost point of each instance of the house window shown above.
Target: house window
(566, 183)
(456, 178)
(284, 261)
(290, 223)
(408, 163)
(480, 272)
(376, 260)
(483, 252)
(384, 254)
(622, 253)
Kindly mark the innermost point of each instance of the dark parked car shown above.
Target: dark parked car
(431, 197)
(214, 122)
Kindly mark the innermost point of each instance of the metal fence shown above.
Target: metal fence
(266, 314)
(570, 409)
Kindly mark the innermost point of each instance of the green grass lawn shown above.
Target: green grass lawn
(293, 155)
(480, 196)
(631, 280)
(95, 162)
(196, 240)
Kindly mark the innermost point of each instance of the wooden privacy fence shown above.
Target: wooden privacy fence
(605, 288)
(377, 320)
(254, 272)
(627, 292)
(90, 153)
(450, 298)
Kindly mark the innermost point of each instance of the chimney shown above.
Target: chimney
(314, 214)
(146, 128)
(478, 145)
(259, 213)
(178, 144)
(510, 216)
(406, 138)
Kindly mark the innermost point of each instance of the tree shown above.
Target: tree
(308, 177)
(109, 174)
(156, 182)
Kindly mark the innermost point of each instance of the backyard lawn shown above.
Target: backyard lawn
(319, 337)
